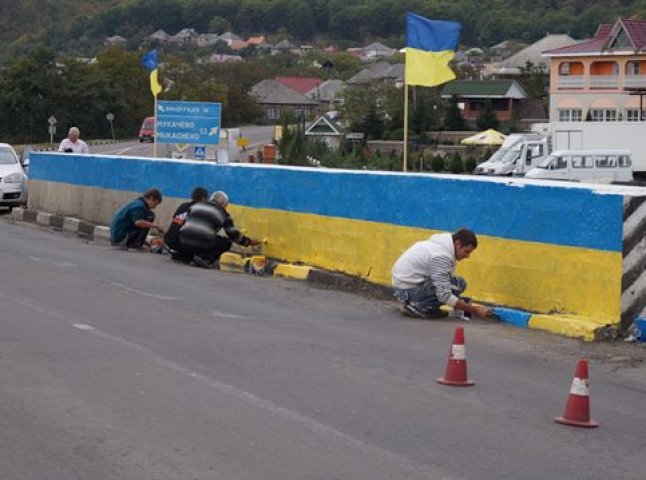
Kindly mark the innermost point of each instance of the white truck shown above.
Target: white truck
(518, 154)
(599, 136)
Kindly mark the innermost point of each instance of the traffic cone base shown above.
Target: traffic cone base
(465, 383)
(574, 423)
(456, 367)
(577, 407)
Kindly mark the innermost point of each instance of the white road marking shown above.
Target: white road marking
(309, 423)
(215, 313)
(136, 291)
(82, 326)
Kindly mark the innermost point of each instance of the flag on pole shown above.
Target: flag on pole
(155, 86)
(430, 46)
(151, 60)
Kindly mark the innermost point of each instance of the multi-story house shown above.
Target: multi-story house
(603, 79)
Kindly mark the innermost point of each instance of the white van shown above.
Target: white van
(585, 166)
(504, 161)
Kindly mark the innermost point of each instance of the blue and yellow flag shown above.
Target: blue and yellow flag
(155, 87)
(430, 46)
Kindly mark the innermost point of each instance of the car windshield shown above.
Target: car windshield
(498, 155)
(149, 125)
(511, 155)
(7, 157)
(546, 163)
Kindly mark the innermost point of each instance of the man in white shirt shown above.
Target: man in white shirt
(423, 277)
(73, 144)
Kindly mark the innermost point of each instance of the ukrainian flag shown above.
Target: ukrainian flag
(430, 46)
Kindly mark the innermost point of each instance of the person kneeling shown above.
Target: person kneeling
(199, 234)
(132, 222)
(423, 277)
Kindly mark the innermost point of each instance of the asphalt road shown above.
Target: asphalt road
(257, 135)
(119, 365)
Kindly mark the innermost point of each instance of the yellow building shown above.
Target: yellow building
(603, 79)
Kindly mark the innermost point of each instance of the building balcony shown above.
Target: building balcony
(570, 81)
(604, 81)
(635, 81)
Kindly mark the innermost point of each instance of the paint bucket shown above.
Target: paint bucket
(257, 265)
(640, 329)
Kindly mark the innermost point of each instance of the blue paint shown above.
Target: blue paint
(517, 318)
(554, 215)
(640, 329)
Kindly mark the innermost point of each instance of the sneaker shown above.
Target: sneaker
(414, 312)
(203, 263)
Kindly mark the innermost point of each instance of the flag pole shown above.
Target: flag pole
(405, 165)
(155, 131)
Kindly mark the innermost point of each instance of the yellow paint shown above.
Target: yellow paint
(232, 259)
(569, 326)
(531, 276)
(299, 272)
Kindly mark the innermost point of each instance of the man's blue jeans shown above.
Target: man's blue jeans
(423, 296)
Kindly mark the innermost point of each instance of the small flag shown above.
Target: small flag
(430, 46)
(155, 87)
(151, 60)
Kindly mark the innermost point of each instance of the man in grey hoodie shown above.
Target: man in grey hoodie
(424, 278)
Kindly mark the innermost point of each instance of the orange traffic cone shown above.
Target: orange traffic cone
(577, 408)
(456, 367)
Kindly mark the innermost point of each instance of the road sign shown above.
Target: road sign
(188, 122)
(200, 152)
(110, 117)
(243, 142)
(52, 120)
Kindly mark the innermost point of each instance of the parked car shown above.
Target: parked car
(13, 179)
(147, 130)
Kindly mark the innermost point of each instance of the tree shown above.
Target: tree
(219, 25)
(453, 118)
(487, 118)
(373, 124)
(535, 80)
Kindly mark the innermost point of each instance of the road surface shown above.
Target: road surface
(126, 366)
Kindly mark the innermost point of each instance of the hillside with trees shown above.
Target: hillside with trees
(80, 27)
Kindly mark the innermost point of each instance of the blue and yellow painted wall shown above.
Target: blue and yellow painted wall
(545, 248)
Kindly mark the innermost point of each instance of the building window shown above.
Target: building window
(632, 115)
(632, 68)
(570, 115)
(300, 113)
(273, 113)
(564, 68)
(603, 115)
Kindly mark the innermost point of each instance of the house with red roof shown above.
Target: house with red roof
(301, 84)
(602, 79)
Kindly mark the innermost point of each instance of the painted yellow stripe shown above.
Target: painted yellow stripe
(531, 276)
(570, 326)
(299, 272)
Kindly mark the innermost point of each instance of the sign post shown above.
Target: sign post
(110, 118)
(188, 122)
(52, 128)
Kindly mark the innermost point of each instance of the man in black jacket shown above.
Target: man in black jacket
(179, 218)
(199, 234)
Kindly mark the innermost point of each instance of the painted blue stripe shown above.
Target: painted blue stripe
(517, 318)
(555, 215)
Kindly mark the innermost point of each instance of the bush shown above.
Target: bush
(437, 164)
(398, 134)
(470, 164)
(456, 164)
(385, 135)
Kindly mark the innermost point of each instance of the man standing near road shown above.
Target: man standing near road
(423, 277)
(73, 143)
(130, 225)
